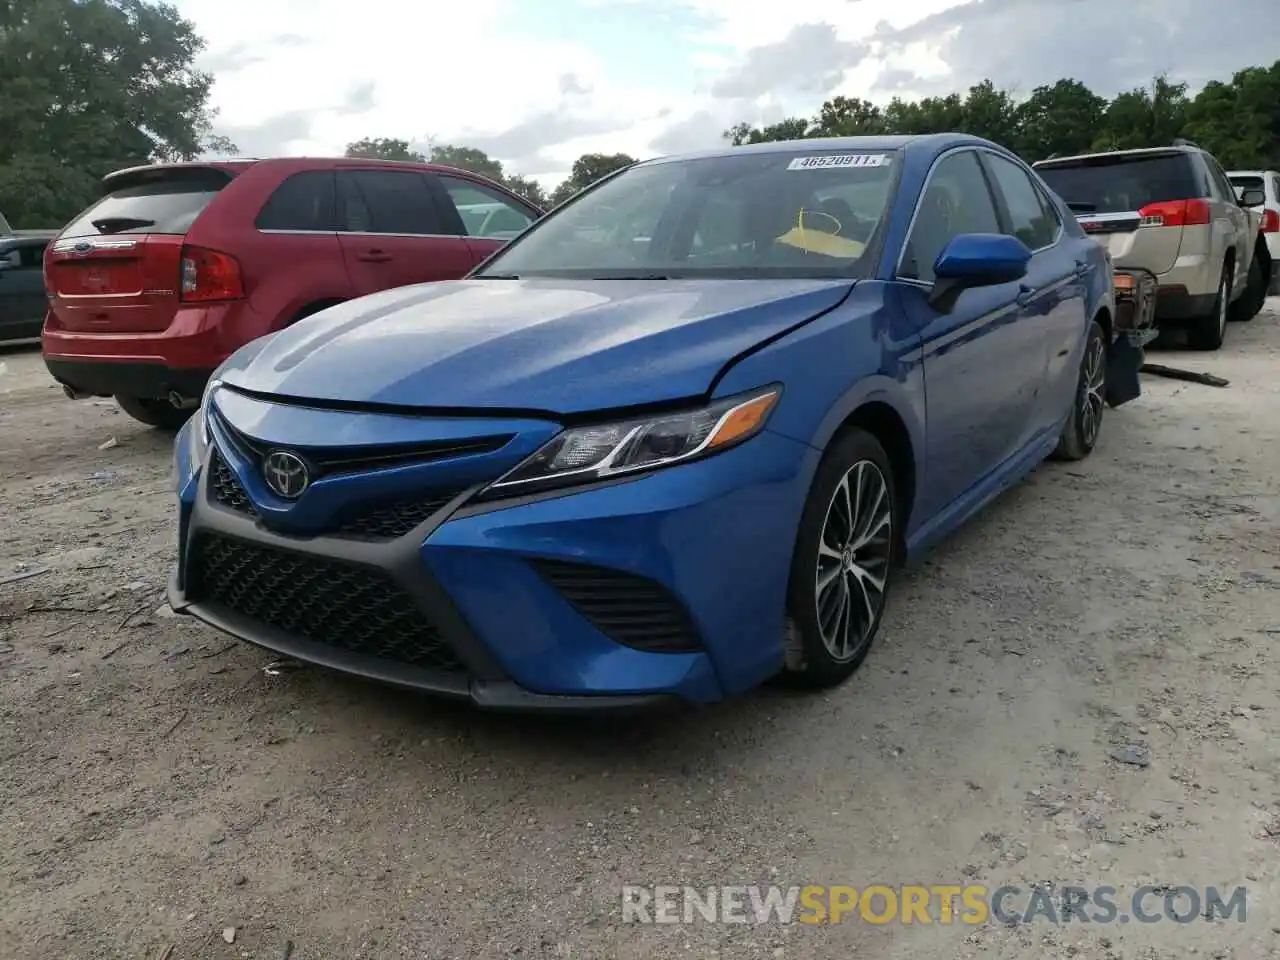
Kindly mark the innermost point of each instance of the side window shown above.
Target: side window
(304, 201)
(387, 201)
(485, 213)
(1029, 220)
(1275, 189)
(956, 200)
(1221, 183)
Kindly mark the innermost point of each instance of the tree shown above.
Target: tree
(587, 169)
(383, 148)
(467, 158)
(1060, 119)
(793, 128)
(846, 117)
(1151, 117)
(530, 189)
(87, 87)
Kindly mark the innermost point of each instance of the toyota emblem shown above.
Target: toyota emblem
(286, 474)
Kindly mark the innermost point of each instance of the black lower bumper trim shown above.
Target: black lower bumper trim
(109, 378)
(497, 695)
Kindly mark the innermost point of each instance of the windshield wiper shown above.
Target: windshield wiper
(496, 276)
(634, 276)
(116, 224)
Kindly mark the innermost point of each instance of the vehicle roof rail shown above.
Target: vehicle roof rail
(1183, 142)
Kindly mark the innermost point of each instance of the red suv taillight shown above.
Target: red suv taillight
(208, 276)
(1270, 221)
(1175, 213)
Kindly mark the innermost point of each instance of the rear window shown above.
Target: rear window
(165, 201)
(1123, 184)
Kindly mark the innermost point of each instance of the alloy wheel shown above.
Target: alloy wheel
(1093, 389)
(854, 552)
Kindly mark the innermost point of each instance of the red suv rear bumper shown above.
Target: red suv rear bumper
(177, 359)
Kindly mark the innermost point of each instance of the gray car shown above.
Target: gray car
(1172, 211)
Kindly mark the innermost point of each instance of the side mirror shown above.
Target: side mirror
(1252, 197)
(977, 260)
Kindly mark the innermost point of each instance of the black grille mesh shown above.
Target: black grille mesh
(631, 610)
(392, 520)
(348, 606)
(225, 488)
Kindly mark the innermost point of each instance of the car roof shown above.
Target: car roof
(929, 143)
(1249, 173)
(240, 164)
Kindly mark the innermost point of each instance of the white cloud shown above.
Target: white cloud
(538, 82)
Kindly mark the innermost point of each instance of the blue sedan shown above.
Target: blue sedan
(674, 440)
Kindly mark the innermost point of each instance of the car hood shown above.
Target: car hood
(559, 346)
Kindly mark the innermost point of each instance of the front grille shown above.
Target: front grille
(632, 610)
(348, 606)
(225, 489)
(392, 520)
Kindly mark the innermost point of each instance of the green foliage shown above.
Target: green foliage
(587, 169)
(383, 148)
(1238, 121)
(467, 158)
(87, 87)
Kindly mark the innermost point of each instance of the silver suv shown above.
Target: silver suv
(1173, 212)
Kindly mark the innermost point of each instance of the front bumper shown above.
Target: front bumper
(715, 536)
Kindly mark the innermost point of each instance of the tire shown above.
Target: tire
(1084, 425)
(827, 557)
(1254, 296)
(1208, 332)
(154, 413)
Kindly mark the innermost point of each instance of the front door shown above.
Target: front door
(979, 366)
(392, 231)
(22, 297)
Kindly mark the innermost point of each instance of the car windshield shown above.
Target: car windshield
(745, 215)
(1124, 183)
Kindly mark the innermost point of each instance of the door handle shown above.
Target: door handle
(374, 256)
(1025, 294)
(1082, 267)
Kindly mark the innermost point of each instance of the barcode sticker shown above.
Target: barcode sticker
(839, 160)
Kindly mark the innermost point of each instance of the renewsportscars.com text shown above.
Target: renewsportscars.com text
(970, 904)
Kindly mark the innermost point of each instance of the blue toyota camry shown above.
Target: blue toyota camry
(672, 441)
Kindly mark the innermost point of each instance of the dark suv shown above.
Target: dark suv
(178, 265)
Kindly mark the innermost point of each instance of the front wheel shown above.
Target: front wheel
(1084, 424)
(843, 562)
(154, 413)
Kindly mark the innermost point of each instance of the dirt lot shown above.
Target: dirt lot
(157, 787)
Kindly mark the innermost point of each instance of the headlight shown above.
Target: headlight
(585, 454)
(200, 424)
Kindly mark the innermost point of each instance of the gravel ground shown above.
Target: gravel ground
(158, 787)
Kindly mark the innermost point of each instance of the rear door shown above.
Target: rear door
(116, 267)
(1237, 223)
(488, 217)
(1134, 204)
(393, 231)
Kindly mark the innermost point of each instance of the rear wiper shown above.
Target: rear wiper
(116, 224)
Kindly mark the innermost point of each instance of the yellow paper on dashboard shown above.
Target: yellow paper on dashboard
(819, 241)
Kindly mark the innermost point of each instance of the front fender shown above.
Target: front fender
(861, 353)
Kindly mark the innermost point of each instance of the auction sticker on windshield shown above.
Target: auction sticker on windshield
(839, 160)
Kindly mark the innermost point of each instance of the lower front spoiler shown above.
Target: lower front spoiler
(496, 695)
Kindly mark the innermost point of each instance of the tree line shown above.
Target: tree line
(90, 86)
(586, 170)
(1237, 120)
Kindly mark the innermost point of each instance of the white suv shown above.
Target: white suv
(1172, 212)
(1260, 191)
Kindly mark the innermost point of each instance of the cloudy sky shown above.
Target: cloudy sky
(536, 83)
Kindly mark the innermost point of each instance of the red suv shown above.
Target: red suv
(178, 265)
